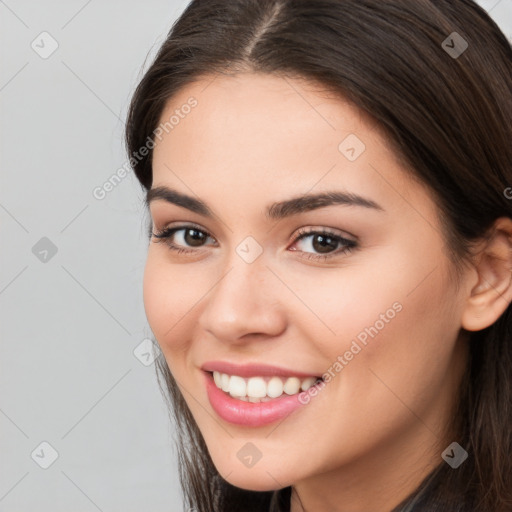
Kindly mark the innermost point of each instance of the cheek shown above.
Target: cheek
(169, 300)
(345, 302)
(406, 330)
(400, 314)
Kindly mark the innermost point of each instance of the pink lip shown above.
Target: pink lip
(247, 413)
(252, 370)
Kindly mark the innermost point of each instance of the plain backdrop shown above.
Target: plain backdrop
(83, 426)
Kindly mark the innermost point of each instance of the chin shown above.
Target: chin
(249, 479)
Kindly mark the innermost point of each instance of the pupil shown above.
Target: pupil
(325, 243)
(194, 237)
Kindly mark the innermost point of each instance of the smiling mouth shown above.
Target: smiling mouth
(261, 389)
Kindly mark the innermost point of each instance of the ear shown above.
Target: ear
(492, 292)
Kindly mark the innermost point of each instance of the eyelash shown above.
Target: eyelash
(349, 245)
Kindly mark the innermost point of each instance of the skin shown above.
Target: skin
(379, 426)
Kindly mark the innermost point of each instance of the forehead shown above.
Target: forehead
(260, 109)
(259, 135)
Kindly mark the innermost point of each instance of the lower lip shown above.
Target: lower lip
(247, 413)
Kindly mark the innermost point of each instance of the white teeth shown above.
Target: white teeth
(307, 383)
(275, 387)
(224, 380)
(256, 387)
(260, 389)
(237, 386)
(291, 386)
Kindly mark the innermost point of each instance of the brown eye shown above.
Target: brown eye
(194, 237)
(184, 239)
(322, 244)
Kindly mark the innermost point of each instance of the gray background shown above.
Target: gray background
(71, 321)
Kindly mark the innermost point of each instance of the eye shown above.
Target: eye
(183, 238)
(316, 243)
(322, 244)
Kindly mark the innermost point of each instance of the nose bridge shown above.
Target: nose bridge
(242, 301)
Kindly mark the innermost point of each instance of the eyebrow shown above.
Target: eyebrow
(278, 210)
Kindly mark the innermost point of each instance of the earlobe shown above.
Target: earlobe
(490, 296)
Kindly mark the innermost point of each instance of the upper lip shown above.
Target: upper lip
(252, 370)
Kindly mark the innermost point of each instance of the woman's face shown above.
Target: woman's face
(353, 286)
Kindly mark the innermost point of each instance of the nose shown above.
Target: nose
(244, 303)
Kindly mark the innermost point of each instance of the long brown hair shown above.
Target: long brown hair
(446, 108)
